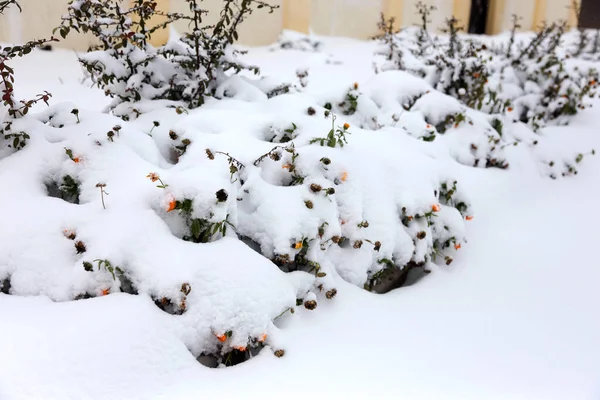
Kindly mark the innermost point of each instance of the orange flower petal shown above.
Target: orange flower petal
(172, 205)
(105, 291)
(263, 337)
(469, 217)
(222, 338)
(436, 208)
(344, 177)
(240, 348)
(76, 160)
(346, 126)
(298, 245)
(457, 246)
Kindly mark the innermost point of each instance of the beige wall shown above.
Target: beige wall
(352, 18)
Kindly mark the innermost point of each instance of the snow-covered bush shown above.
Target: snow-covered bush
(186, 69)
(12, 134)
(534, 78)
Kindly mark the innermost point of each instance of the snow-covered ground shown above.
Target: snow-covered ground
(515, 316)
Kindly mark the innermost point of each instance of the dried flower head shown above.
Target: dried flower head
(186, 288)
(310, 304)
(222, 196)
(316, 188)
(80, 247)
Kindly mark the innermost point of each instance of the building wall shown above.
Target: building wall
(352, 18)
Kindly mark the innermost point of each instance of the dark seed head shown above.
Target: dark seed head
(156, 123)
(173, 135)
(315, 188)
(377, 246)
(309, 204)
(325, 160)
(209, 154)
(421, 235)
(310, 304)
(275, 156)
(311, 111)
(335, 239)
(330, 294)
(358, 244)
(330, 191)
(80, 247)
(279, 353)
(222, 196)
(88, 266)
(186, 142)
(186, 288)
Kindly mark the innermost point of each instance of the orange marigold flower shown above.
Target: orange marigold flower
(172, 205)
(298, 245)
(344, 177)
(262, 338)
(286, 166)
(76, 160)
(346, 126)
(105, 291)
(593, 82)
(240, 348)
(153, 176)
(436, 208)
(476, 75)
(355, 85)
(222, 338)
(428, 126)
(457, 246)
(509, 109)
(469, 217)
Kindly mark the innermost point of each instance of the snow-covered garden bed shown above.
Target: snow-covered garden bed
(250, 202)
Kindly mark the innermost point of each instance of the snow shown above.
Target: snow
(514, 316)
